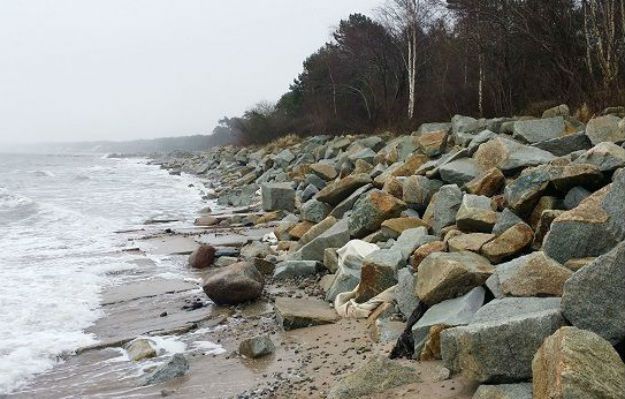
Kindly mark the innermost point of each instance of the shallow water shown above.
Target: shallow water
(58, 249)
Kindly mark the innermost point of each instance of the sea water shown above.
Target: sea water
(59, 215)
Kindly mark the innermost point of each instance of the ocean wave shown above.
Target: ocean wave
(43, 173)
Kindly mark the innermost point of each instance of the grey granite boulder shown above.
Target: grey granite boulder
(176, 367)
(450, 313)
(405, 295)
(591, 229)
(411, 239)
(294, 313)
(291, 269)
(537, 130)
(278, 197)
(442, 210)
(460, 171)
(605, 128)
(575, 196)
(606, 156)
(565, 145)
(577, 364)
(348, 203)
(505, 220)
(476, 214)
(509, 155)
(501, 340)
(522, 390)
(594, 297)
(371, 210)
(530, 275)
(334, 237)
(256, 347)
(418, 191)
(315, 211)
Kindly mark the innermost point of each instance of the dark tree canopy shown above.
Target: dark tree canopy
(474, 57)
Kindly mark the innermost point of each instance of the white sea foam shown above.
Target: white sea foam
(58, 250)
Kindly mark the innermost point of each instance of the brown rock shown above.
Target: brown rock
(544, 203)
(394, 187)
(202, 257)
(509, 243)
(546, 218)
(337, 191)
(424, 250)
(410, 165)
(578, 263)
(295, 313)
(298, 231)
(396, 226)
(446, 275)
(324, 170)
(489, 183)
(237, 283)
(432, 143)
(532, 275)
(577, 364)
(469, 242)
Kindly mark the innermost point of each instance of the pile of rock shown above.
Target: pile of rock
(509, 230)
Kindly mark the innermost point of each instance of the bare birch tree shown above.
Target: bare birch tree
(409, 20)
(604, 29)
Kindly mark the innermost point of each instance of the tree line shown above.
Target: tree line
(426, 60)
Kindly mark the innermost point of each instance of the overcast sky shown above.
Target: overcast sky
(127, 69)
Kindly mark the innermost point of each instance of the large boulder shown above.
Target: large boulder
(530, 275)
(348, 203)
(418, 191)
(334, 237)
(460, 171)
(522, 390)
(509, 155)
(476, 214)
(432, 143)
(315, 211)
(237, 283)
(442, 209)
(202, 257)
(593, 297)
(324, 170)
(339, 190)
(278, 197)
(488, 183)
(295, 313)
(577, 364)
(450, 313)
(537, 130)
(501, 340)
(593, 228)
(605, 128)
(509, 243)
(377, 375)
(371, 210)
(256, 347)
(606, 156)
(564, 145)
(292, 269)
(378, 273)
(405, 295)
(523, 193)
(444, 275)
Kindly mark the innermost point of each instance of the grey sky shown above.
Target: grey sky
(125, 69)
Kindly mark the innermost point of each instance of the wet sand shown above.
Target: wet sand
(307, 361)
